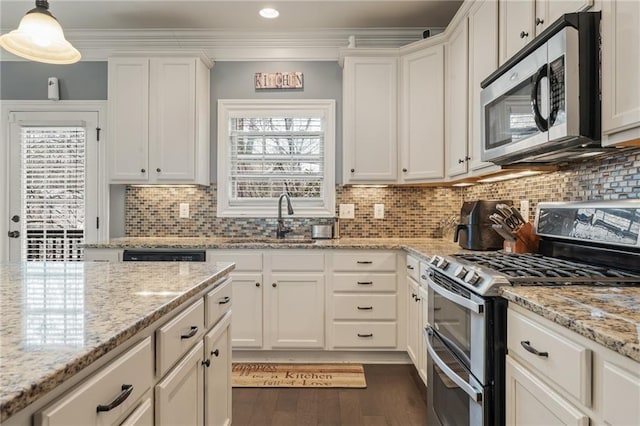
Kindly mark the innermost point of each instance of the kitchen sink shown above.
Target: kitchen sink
(249, 240)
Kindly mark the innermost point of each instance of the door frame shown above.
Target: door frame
(10, 106)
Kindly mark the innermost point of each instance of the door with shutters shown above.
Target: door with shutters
(53, 184)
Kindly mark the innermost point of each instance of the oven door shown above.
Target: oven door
(454, 397)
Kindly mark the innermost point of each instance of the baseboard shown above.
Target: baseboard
(362, 357)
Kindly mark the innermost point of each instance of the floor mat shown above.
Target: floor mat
(267, 375)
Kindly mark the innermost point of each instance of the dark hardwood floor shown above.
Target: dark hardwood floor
(394, 395)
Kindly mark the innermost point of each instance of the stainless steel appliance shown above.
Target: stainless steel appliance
(466, 332)
(474, 230)
(543, 105)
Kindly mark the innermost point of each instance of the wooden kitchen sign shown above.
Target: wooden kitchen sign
(279, 80)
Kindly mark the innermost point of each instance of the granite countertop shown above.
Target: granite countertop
(609, 316)
(59, 317)
(420, 247)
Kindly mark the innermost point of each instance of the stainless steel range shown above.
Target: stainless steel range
(581, 244)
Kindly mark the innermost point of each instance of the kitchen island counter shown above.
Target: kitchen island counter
(57, 318)
(609, 316)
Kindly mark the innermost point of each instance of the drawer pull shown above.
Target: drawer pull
(527, 345)
(190, 334)
(126, 391)
(224, 300)
(410, 267)
(365, 335)
(365, 308)
(215, 353)
(206, 362)
(365, 282)
(364, 262)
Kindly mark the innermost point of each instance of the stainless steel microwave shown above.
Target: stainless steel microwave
(543, 105)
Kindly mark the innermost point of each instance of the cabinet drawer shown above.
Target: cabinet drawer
(142, 416)
(364, 282)
(244, 261)
(364, 306)
(566, 364)
(364, 335)
(176, 337)
(217, 303)
(413, 268)
(80, 407)
(364, 261)
(297, 262)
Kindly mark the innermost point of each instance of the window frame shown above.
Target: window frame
(231, 108)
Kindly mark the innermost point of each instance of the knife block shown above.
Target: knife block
(526, 239)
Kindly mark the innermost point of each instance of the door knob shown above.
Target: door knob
(15, 218)
(14, 234)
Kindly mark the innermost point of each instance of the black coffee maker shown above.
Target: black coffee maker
(474, 231)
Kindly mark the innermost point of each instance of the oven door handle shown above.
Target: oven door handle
(473, 393)
(478, 308)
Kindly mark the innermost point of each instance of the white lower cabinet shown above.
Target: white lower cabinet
(413, 320)
(422, 352)
(417, 304)
(217, 377)
(247, 309)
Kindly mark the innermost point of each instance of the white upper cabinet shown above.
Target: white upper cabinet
(483, 60)
(159, 120)
(456, 90)
(370, 122)
(522, 20)
(422, 115)
(620, 72)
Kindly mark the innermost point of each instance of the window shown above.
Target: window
(267, 147)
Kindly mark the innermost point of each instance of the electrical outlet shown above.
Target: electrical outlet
(347, 211)
(378, 211)
(524, 209)
(184, 210)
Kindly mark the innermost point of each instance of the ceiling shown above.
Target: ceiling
(228, 28)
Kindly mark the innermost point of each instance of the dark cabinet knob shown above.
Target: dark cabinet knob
(206, 362)
(353, 170)
(15, 218)
(14, 234)
(460, 161)
(257, 284)
(158, 170)
(274, 285)
(404, 170)
(524, 34)
(143, 170)
(539, 21)
(215, 353)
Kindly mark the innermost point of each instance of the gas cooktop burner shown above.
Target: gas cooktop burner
(536, 269)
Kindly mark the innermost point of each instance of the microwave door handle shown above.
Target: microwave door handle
(478, 308)
(466, 387)
(541, 122)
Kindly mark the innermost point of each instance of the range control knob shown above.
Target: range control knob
(443, 264)
(473, 278)
(434, 260)
(461, 272)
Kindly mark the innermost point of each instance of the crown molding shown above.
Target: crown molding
(233, 45)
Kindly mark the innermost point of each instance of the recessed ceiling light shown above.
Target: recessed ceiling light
(269, 13)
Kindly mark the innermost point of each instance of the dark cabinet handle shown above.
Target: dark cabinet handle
(158, 170)
(274, 285)
(410, 267)
(143, 170)
(365, 308)
(539, 21)
(364, 262)
(424, 277)
(353, 170)
(523, 34)
(365, 335)
(527, 345)
(215, 353)
(190, 334)
(224, 300)
(206, 362)
(257, 284)
(126, 391)
(365, 282)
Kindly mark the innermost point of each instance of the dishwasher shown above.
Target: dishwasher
(164, 255)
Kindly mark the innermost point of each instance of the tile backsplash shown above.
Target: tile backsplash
(410, 212)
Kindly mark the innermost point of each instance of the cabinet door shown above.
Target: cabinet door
(180, 395)
(548, 11)
(422, 115)
(530, 402)
(370, 109)
(247, 310)
(616, 381)
(620, 71)
(217, 379)
(413, 321)
(516, 26)
(172, 121)
(142, 416)
(296, 304)
(456, 81)
(483, 60)
(424, 311)
(128, 120)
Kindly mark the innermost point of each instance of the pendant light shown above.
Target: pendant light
(39, 38)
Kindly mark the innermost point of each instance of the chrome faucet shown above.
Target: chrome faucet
(282, 230)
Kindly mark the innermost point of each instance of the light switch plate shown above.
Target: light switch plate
(347, 211)
(378, 211)
(524, 209)
(184, 210)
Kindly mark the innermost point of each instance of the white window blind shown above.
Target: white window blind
(277, 154)
(53, 192)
